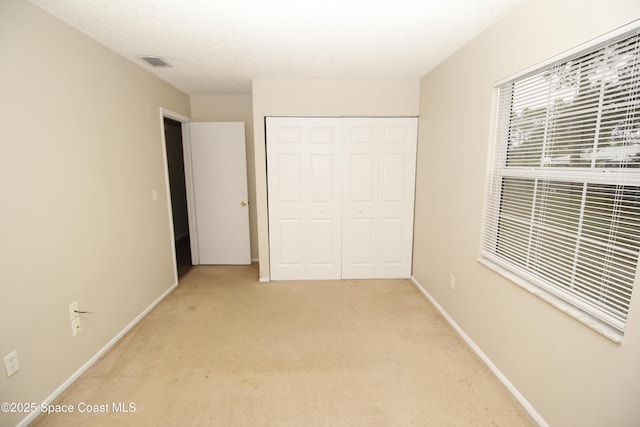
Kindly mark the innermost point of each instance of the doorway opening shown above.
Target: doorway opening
(178, 191)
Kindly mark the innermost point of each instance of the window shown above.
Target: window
(563, 209)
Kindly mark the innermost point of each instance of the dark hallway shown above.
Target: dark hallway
(175, 161)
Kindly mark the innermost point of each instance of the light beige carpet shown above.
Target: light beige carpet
(225, 350)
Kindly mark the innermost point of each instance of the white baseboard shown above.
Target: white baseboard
(32, 416)
(503, 379)
(264, 280)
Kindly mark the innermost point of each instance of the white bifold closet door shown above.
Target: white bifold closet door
(378, 188)
(340, 197)
(304, 179)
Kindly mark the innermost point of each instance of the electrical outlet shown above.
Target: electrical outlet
(452, 282)
(73, 308)
(75, 326)
(11, 363)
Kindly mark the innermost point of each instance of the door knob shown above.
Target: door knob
(243, 203)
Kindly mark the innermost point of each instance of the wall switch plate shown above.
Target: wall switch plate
(75, 326)
(11, 363)
(452, 282)
(73, 308)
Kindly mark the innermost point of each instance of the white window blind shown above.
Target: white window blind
(563, 209)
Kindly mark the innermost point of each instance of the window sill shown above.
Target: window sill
(588, 320)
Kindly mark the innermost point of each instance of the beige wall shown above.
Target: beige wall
(572, 375)
(81, 153)
(318, 97)
(233, 108)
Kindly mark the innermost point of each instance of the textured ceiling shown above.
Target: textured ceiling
(218, 46)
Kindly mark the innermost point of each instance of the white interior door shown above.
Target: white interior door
(378, 197)
(304, 196)
(219, 167)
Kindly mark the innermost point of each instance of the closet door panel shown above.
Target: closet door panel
(384, 197)
(360, 198)
(288, 188)
(303, 198)
(290, 242)
(321, 178)
(362, 169)
(361, 255)
(394, 173)
(322, 246)
(392, 242)
(397, 197)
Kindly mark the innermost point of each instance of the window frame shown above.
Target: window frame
(564, 301)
